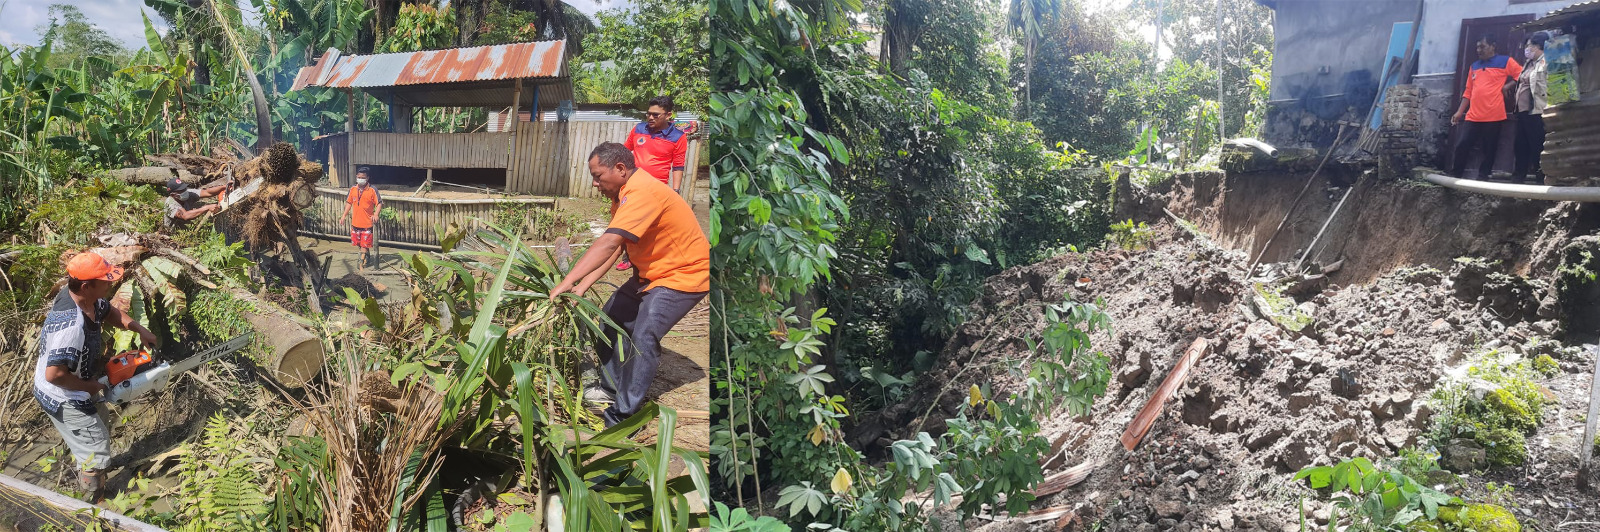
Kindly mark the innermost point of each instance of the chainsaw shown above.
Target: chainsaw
(131, 374)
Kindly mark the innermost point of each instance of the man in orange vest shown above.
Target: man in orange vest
(1483, 107)
(364, 203)
(672, 273)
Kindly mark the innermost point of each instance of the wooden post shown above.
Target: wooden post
(516, 131)
(1586, 446)
(425, 183)
(350, 136)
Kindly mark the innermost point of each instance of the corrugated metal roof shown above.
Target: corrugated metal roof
(1562, 16)
(543, 59)
(609, 116)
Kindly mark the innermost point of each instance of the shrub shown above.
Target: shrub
(1492, 402)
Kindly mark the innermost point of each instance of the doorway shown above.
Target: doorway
(1508, 41)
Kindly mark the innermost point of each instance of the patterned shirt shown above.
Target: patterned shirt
(69, 339)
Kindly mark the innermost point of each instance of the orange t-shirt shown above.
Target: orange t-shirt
(1484, 82)
(663, 239)
(363, 206)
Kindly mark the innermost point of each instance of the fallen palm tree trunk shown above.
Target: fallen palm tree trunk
(151, 175)
(1152, 409)
(295, 355)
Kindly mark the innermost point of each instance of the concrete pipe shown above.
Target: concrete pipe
(1534, 192)
(296, 356)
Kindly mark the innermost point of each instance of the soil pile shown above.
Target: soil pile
(1264, 401)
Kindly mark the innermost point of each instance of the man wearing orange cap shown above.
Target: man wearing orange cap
(70, 349)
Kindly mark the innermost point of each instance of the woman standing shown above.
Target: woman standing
(1530, 108)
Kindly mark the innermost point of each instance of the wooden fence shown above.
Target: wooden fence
(546, 159)
(415, 218)
(431, 150)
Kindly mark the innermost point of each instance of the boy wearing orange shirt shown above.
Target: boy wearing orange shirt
(672, 273)
(364, 203)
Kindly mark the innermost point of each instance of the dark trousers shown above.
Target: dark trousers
(1530, 141)
(646, 316)
(1485, 136)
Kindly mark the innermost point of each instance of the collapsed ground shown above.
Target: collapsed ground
(1264, 401)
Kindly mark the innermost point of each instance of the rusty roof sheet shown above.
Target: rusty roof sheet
(543, 59)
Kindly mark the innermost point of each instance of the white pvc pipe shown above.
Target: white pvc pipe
(1247, 142)
(1535, 192)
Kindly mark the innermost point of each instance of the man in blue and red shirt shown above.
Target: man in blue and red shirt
(658, 146)
(1483, 106)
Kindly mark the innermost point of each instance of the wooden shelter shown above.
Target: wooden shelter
(539, 156)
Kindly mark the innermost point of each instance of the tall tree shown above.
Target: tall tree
(658, 47)
(1028, 19)
(1240, 44)
(73, 38)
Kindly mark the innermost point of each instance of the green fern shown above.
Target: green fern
(222, 481)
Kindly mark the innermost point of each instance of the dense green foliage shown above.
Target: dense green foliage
(860, 202)
(657, 47)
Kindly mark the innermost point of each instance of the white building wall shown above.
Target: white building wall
(1441, 27)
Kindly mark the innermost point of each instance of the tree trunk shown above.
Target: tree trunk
(469, 17)
(898, 36)
(264, 134)
(554, 19)
(1027, 75)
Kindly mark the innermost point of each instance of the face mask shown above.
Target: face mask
(361, 182)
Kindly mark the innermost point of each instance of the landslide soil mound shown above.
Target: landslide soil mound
(1263, 402)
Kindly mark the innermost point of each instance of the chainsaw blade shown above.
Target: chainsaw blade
(217, 351)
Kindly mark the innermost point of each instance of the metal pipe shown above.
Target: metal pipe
(1533, 192)
(1325, 224)
(1257, 144)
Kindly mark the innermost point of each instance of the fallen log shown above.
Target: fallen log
(296, 355)
(1152, 408)
(152, 175)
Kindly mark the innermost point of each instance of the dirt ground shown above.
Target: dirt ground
(1263, 402)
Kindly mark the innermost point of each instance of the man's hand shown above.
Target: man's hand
(564, 287)
(148, 339)
(1457, 118)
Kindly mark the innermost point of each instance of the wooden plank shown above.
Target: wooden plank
(1058, 482)
(1586, 445)
(1152, 408)
(24, 506)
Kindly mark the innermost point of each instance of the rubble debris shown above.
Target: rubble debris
(1265, 401)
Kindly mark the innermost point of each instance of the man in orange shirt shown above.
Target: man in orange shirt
(364, 203)
(1483, 106)
(672, 273)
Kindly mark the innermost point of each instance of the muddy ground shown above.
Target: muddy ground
(145, 434)
(1263, 402)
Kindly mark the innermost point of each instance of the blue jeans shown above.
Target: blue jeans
(646, 316)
